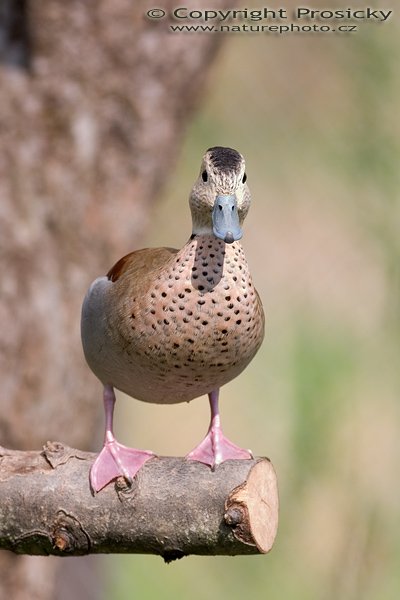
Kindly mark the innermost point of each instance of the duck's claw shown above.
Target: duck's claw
(115, 460)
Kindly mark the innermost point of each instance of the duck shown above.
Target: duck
(168, 326)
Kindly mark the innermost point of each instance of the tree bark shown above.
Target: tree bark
(173, 508)
(94, 100)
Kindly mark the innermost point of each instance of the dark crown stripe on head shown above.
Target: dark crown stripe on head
(225, 159)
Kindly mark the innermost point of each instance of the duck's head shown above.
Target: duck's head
(220, 197)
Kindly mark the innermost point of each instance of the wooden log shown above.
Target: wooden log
(173, 508)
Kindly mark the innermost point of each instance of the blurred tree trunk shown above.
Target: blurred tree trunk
(94, 99)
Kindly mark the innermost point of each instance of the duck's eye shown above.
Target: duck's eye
(244, 178)
(204, 176)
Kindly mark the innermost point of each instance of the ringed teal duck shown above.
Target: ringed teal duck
(167, 326)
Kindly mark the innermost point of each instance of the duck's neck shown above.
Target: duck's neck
(210, 259)
(202, 229)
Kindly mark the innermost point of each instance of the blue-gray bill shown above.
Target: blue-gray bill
(225, 219)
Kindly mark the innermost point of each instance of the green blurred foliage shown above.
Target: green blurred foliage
(316, 118)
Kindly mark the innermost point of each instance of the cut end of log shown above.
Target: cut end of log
(251, 509)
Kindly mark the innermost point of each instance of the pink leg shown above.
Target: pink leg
(115, 459)
(216, 448)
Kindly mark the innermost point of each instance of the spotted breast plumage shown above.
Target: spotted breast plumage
(167, 326)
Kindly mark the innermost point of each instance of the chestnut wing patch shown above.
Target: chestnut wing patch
(120, 266)
(140, 261)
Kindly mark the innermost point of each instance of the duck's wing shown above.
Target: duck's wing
(140, 262)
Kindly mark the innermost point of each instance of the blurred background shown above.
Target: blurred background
(316, 118)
